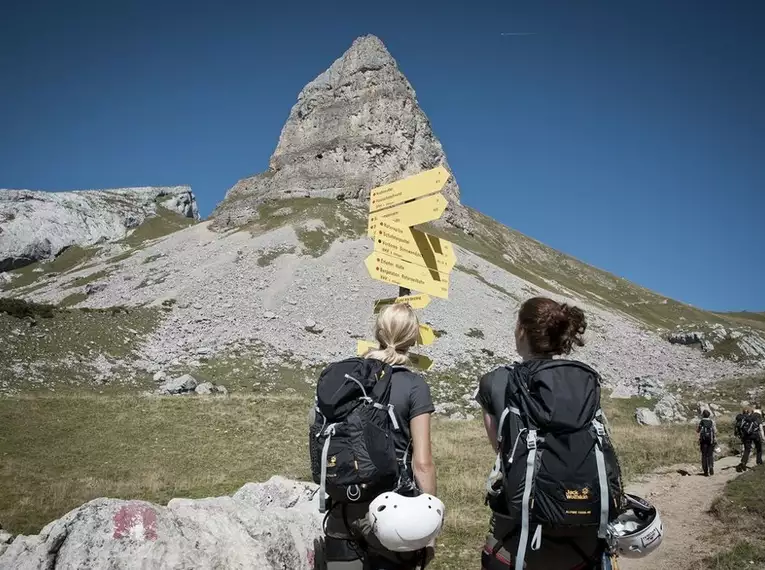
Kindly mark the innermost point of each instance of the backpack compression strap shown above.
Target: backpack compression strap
(600, 432)
(531, 458)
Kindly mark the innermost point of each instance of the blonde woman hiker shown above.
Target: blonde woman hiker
(555, 490)
(371, 455)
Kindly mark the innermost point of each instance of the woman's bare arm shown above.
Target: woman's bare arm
(491, 429)
(422, 454)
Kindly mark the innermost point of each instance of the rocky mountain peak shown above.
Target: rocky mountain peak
(356, 126)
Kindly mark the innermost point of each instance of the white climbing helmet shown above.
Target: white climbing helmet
(638, 531)
(405, 524)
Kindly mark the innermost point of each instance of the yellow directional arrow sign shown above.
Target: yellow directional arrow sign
(415, 301)
(427, 335)
(410, 214)
(404, 274)
(408, 188)
(414, 246)
(418, 360)
(364, 346)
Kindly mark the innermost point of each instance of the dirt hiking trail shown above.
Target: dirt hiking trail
(684, 502)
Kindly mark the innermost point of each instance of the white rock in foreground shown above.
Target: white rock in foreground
(263, 526)
(37, 225)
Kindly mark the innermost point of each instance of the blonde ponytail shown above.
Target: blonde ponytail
(396, 330)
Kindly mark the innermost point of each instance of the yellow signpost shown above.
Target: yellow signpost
(415, 247)
(427, 335)
(404, 274)
(419, 301)
(408, 188)
(405, 256)
(410, 214)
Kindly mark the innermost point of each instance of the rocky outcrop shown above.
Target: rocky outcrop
(739, 343)
(271, 525)
(37, 225)
(356, 126)
(693, 338)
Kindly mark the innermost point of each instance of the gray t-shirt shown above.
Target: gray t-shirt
(410, 396)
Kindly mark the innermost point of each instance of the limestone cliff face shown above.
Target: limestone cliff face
(356, 126)
(37, 225)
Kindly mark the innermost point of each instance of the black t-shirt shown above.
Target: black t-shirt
(410, 396)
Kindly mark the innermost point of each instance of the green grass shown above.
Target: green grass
(255, 368)
(164, 223)
(268, 257)
(340, 220)
(67, 260)
(72, 299)
(741, 509)
(80, 281)
(120, 257)
(54, 354)
(59, 452)
(20, 308)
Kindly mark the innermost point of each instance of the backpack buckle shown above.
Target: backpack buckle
(531, 439)
(599, 428)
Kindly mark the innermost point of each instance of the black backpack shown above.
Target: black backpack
(706, 431)
(749, 426)
(353, 456)
(558, 466)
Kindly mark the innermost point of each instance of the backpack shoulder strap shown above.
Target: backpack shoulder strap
(381, 391)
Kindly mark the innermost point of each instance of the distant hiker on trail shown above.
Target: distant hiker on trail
(749, 428)
(707, 439)
(371, 455)
(555, 490)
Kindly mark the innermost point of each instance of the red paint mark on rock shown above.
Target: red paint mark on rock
(135, 521)
(311, 558)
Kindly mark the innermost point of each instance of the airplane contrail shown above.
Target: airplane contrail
(517, 34)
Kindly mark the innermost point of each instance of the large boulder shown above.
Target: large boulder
(271, 525)
(670, 409)
(38, 225)
(646, 417)
(180, 385)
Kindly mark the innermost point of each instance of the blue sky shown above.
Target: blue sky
(629, 134)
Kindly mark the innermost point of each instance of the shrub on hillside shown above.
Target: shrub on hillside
(20, 308)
